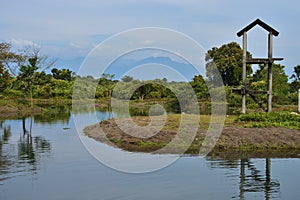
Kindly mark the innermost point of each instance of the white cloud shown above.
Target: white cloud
(20, 43)
(72, 44)
(147, 42)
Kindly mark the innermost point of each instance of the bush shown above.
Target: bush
(262, 119)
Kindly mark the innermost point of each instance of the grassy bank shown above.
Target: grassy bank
(258, 132)
(18, 108)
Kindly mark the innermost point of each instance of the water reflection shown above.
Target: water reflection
(23, 153)
(253, 179)
(5, 161)
(55, 113)
(142, 110)
(30, 149)
(23, 150)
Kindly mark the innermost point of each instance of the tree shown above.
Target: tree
(8, 63)
(143, 90)
(295, 85)
(229, 61)
(10, 60)
(127, 78)
(106, 85)
(63, 74)
(108, 76)
(200, 88)
(27, 77)
(281, 86)
(42, 87)
(296, 74)
(5, 78)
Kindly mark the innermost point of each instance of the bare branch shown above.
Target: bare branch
(43, 61)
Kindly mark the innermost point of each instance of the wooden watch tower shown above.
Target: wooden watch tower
(265, 61)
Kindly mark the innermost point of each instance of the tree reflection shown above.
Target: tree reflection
(55, 113)
(25, 149)
(6, 133)
(26, 155)
(4, 159)
(30, 148)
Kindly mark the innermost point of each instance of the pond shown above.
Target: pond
(52, 163)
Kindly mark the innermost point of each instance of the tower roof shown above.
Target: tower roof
(260, 23)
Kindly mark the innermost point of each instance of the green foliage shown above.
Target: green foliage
(199, 85)
(233, 101)
(8, 63)
(127, 78)
(9, 59)
(108, 76)
(5, 78)
(295, 85)
(263, 119)
(140, 90)
(63, 74)
(84, 87)
(60, 88)
(293, 97)
(281, 86)
(296, 74)
(228, 60)
(26, 77)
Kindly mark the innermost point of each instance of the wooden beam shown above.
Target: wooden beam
(262, 60)
(260, 103)
(257, 92)
(236, 90)
(246, 91)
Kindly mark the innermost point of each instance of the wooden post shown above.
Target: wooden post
(244, 72)
(270, 78)
(299, 101)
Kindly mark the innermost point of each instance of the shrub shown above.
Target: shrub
(262, 119)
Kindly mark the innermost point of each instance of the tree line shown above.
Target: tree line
(23, 75)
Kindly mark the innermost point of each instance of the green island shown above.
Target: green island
(249, 134)
(27, 88)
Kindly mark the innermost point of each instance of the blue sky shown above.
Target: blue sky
(68, 29)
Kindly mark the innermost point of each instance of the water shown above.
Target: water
(54, 164)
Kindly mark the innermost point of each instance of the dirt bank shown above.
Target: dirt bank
(234, 137)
